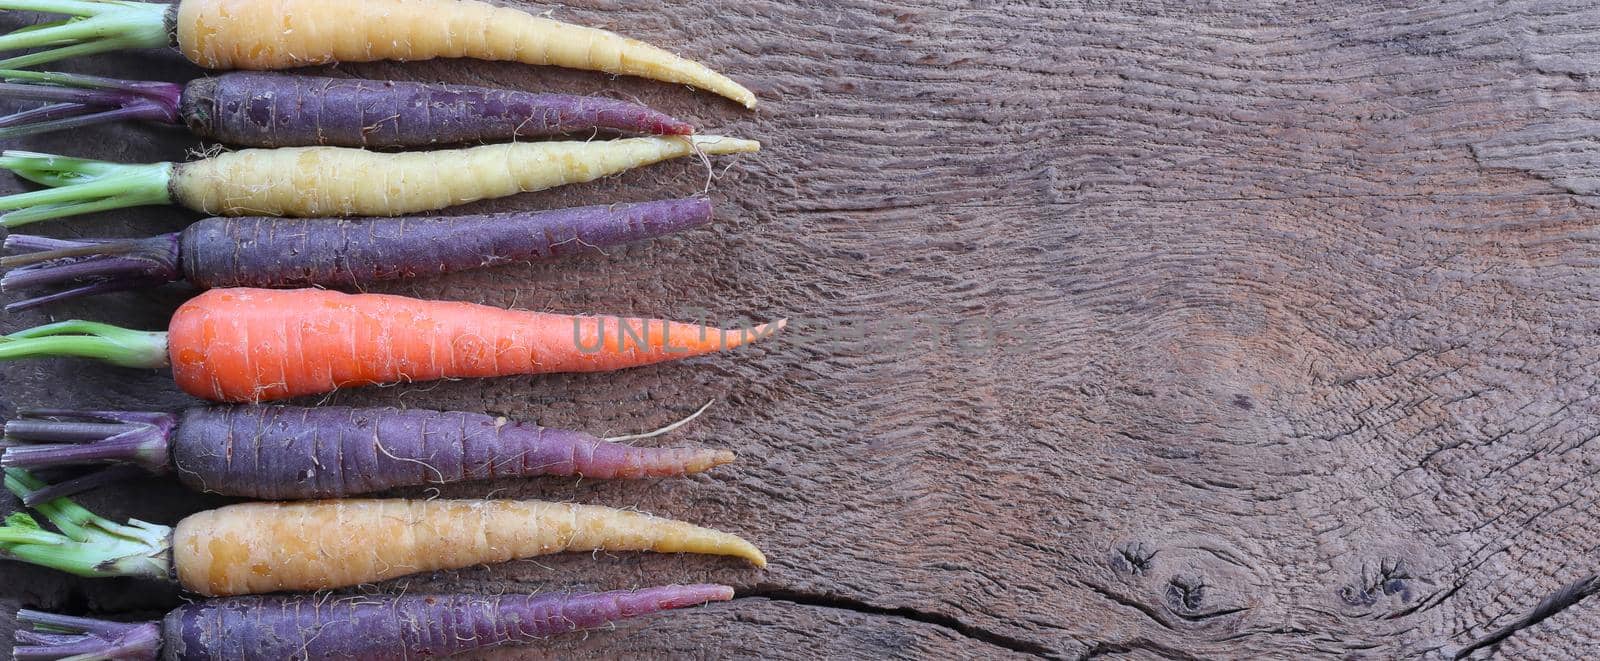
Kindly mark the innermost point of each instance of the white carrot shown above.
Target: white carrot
(335, 181)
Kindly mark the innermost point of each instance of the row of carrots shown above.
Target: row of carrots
(264, 329)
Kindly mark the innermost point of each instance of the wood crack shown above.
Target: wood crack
(937, 619)
(1104, 649)
(1568, 596)
(1148, 611)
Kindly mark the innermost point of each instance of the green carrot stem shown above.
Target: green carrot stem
(71, 326)
(25, 535)
(70, 7)
(65, 515)
(58, 78)
(80, 81)
(85, 339)
(88, 544)
(79, 186)
(74, 520)
(13, 159)
(50, 211)
(96, 27)
(40, 26)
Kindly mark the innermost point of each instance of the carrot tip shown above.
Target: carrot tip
(741, 336)
(717, 144)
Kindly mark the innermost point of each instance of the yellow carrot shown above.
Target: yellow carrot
(280, 34)
(270, 547)
(335, 181)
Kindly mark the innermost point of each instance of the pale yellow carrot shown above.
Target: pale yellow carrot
(270, 547)
(278, 34)
(338, 181)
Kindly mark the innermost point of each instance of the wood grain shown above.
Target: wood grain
(1144, 329)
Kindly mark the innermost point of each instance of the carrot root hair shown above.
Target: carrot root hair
(663, 430)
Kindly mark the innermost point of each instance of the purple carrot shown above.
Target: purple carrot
(257, 109)
(302, 252)
(345, 627)
(285, 452)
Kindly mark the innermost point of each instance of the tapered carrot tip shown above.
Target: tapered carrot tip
(697, 462)
(721, 145)
(719, 458)
(748, 551)
(736, 338)
(679, 596)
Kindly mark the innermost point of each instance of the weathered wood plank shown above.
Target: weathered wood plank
(1291, 304)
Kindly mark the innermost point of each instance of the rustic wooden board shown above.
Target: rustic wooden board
(1122, 329)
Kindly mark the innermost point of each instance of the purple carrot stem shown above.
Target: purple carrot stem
(70, 270)
(63, 432)
(81, 647)
(47, 637)
(44, 114)
(134, 443)
(30, 637)
(86, 482)
(64, 295)
(143, 444)
(88, 267)
(31, 243)
(139, 110)
(67, 622)
(132, 446)
(80, 101)
(139, 417)
(64, 94)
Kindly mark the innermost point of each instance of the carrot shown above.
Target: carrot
(334, 181)
(254, 548)
(282, 34)
(251, 345)
(330, 252)
(255, 109)
(287, 452)
(352, 627)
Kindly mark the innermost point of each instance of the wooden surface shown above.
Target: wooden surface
(1149, 329)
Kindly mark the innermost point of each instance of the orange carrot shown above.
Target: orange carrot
(251, 345)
